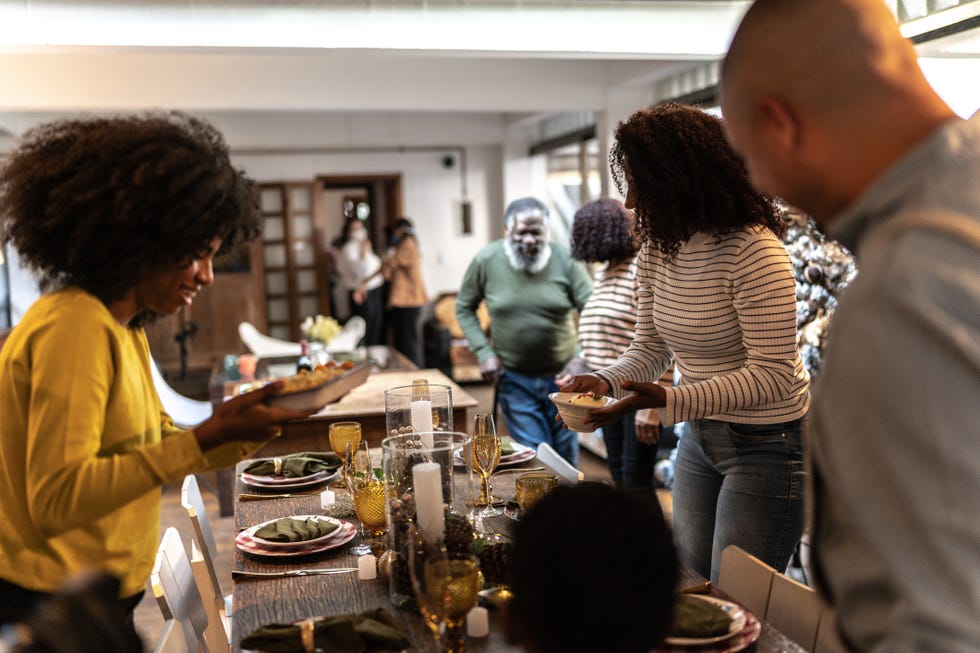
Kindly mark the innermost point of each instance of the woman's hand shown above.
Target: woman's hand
(246, 417)
(645, 395)
(586, 383)
(648, 426)
(575, 366)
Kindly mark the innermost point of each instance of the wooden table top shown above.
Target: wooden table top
(284, 600)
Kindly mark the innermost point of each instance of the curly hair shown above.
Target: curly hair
(602, 231)
(684, 177)
(101, 203)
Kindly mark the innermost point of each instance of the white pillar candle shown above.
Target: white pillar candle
(367, 567)
(327, 498)
(478, 622)
(422, 420)
(427, 478)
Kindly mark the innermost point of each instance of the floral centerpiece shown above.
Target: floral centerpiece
(320, 328)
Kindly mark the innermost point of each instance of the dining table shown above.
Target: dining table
(364, 403)
(284, 600)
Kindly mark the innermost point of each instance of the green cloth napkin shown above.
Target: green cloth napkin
(371, 630)
(296, 465)
(506, 446)
(694, 617)
(290, 529)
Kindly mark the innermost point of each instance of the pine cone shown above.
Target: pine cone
(495, 562)
(459, 534)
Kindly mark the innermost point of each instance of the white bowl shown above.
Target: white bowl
(574, 414)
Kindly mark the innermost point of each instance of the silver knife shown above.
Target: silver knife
(292, 572)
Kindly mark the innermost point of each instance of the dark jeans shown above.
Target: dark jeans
(630, 461)
(373, 312)
(18, 603)
(405, 332)
(738, 484)
(530, 415)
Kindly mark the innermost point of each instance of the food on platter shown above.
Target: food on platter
(306, 379)
(589, 399)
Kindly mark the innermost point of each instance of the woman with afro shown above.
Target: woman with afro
(716, 295)
(602, 234)
(120, 219)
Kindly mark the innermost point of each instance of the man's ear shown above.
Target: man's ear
(781, 125)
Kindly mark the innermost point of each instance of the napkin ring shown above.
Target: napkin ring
(306, 630)
(277, 461)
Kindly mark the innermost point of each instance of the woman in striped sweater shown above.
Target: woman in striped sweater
(602, 233)
(715, 294)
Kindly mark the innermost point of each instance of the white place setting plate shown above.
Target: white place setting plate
(275, 483)
(520, 454)
(246, 541)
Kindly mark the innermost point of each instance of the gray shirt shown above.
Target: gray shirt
(895, 420)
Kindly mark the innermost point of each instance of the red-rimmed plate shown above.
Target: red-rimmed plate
(731, 643)
(245, 542)
(734, 611)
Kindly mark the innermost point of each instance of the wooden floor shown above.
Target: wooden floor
(148, 616)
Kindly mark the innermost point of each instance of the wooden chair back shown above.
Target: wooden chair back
(828, 638)
(171, 639)
(746, 579)
(203, 552)
(794, 609)
(172, 584)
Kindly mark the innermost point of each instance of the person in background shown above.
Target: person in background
(360, 270)
(602, 232)
(628, 576)
(533, 289)
(120, 219)
(715, 294)
(861, 142)
(402, 267)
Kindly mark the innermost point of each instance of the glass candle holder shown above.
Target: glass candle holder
(419, 488)
(421, 407)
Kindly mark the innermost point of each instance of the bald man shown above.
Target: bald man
(826, 102)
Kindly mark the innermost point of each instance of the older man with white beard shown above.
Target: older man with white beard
(533, 289)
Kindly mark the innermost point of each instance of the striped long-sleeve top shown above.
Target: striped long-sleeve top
(606, 325)
(724, 308)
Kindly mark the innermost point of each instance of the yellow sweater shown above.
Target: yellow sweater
(85, 447)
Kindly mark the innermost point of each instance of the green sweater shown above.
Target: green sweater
(532, 316)
(85, 446)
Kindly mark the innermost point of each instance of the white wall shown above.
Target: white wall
(431, 197)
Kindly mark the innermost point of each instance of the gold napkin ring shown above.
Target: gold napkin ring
(278, 466)
(306, 630)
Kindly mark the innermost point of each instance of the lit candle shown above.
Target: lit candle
(477, 622)
(422, 420)
(327, 498)
(367, 567)
(427, 478)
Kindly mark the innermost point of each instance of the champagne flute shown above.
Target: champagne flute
(341, 434)
(486, 456)
(368, 493)
(446, 588)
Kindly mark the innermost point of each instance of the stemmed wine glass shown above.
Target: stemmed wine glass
(486, 447)
(341, 434)
(368, 493)
(446, 588)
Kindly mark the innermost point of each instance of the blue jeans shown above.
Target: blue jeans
(530, 415)
(630, 461)
(738, 484)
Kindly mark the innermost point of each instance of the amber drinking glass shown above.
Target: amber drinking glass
(531, 486)
(446, 587)
(342, 434)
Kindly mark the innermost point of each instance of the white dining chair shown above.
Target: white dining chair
(794, 610)
(349, 337)
(551, 458)
(184, 411)
(264, 346)
(173, 586)
(828, 637)
(171, 639)
(204, 550)
(746, 579)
